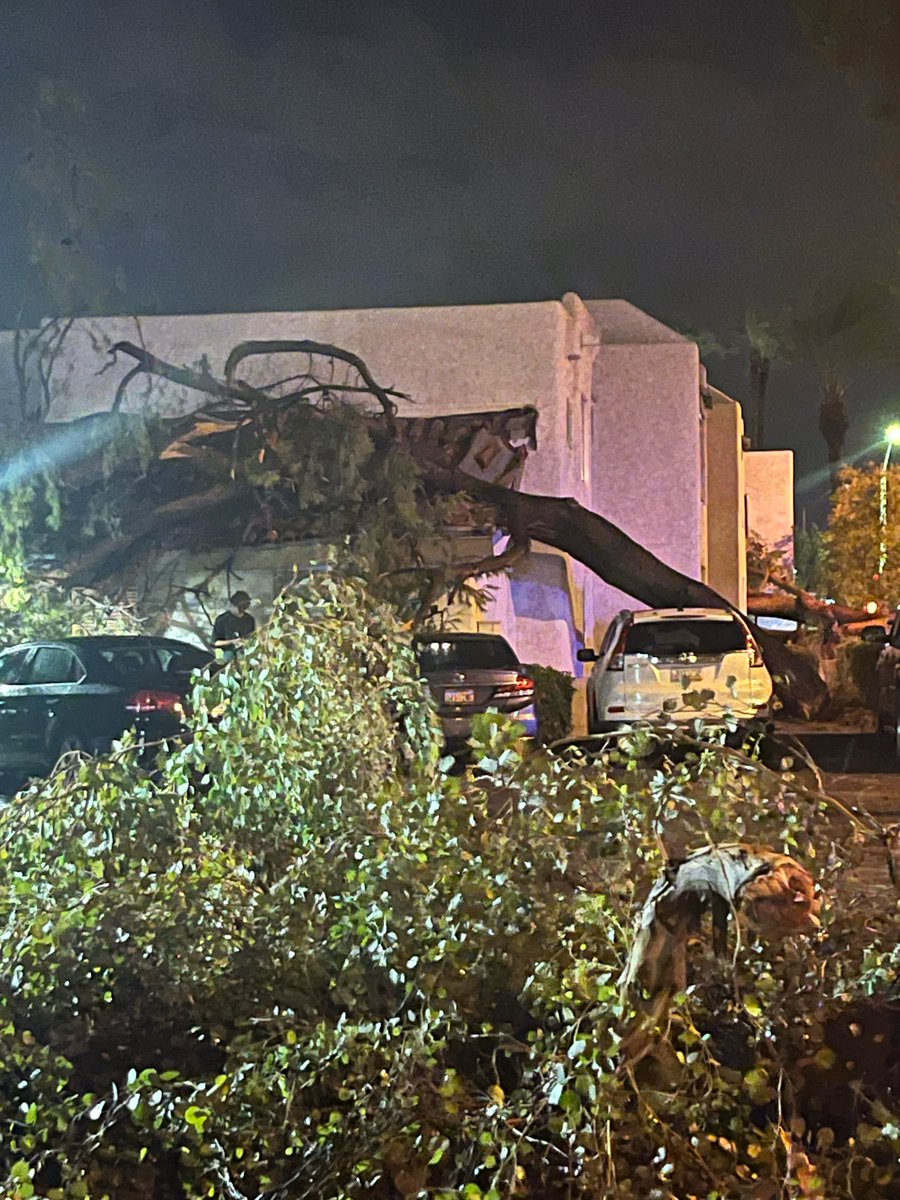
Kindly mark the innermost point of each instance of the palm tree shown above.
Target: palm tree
(845, 326)
(762, 345)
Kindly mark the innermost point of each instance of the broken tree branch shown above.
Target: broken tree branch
(798, 607)
(250, 349)
(562, 523)
(148, 363)
(776, 894)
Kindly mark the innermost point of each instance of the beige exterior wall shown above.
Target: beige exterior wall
(770, 498)
(726, 536)
(648, 471)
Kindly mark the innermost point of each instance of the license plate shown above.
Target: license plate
(686, 676)
(460, 696)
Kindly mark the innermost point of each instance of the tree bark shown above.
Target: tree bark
(252, 349)
(800, 604)
(834, 423)
(777, 893)
(104, 559)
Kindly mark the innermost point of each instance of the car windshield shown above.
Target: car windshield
(450, 654)
(665, 639)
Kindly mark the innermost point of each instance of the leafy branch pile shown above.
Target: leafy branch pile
(296, 958)
(36, 604)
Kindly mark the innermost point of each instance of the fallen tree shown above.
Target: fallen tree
(305, 457)
(795, 603)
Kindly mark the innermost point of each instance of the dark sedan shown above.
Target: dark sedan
(469, 673)
(81, 693)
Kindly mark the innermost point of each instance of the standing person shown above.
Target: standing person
(232, 626)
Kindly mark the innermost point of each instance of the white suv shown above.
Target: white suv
(676, 664)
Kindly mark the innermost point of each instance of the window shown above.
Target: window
(124, 662)
(131, 661)
(11, 665)
(667, 639)
(54, 664)
(181, 660)
(474, 652)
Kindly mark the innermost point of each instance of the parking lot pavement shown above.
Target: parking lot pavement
(858, 769)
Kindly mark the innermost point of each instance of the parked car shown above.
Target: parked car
(469, 673)
(81, 693)
(887, 669)
(676, 664)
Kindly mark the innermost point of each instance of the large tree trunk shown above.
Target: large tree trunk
(834, 424)
(619, 560)
(801, 604)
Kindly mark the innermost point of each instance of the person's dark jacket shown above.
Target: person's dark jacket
(230, 626)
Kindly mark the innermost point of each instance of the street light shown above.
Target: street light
(892, 437)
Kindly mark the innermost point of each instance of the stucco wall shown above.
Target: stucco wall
(725, 486)
(648, 476)
(769, 476)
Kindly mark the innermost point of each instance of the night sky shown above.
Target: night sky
(695, 158)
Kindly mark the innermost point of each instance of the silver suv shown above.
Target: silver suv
(469, 673)
(676, 664)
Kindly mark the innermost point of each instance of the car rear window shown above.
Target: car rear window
(125, 662)
(663, 639)
(449, 655)
(132, 662)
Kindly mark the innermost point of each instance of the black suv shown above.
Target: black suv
(469, 673)
(80, 693)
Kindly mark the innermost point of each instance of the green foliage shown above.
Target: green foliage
(33, 603)
(554, 691)
(853, 537)
(762, 563)
(295, 958)
(856, 662)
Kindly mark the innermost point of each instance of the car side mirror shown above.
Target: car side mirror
(875, 635)
(586, 654)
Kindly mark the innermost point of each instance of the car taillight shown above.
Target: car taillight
(147, 700)
(522, 687)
